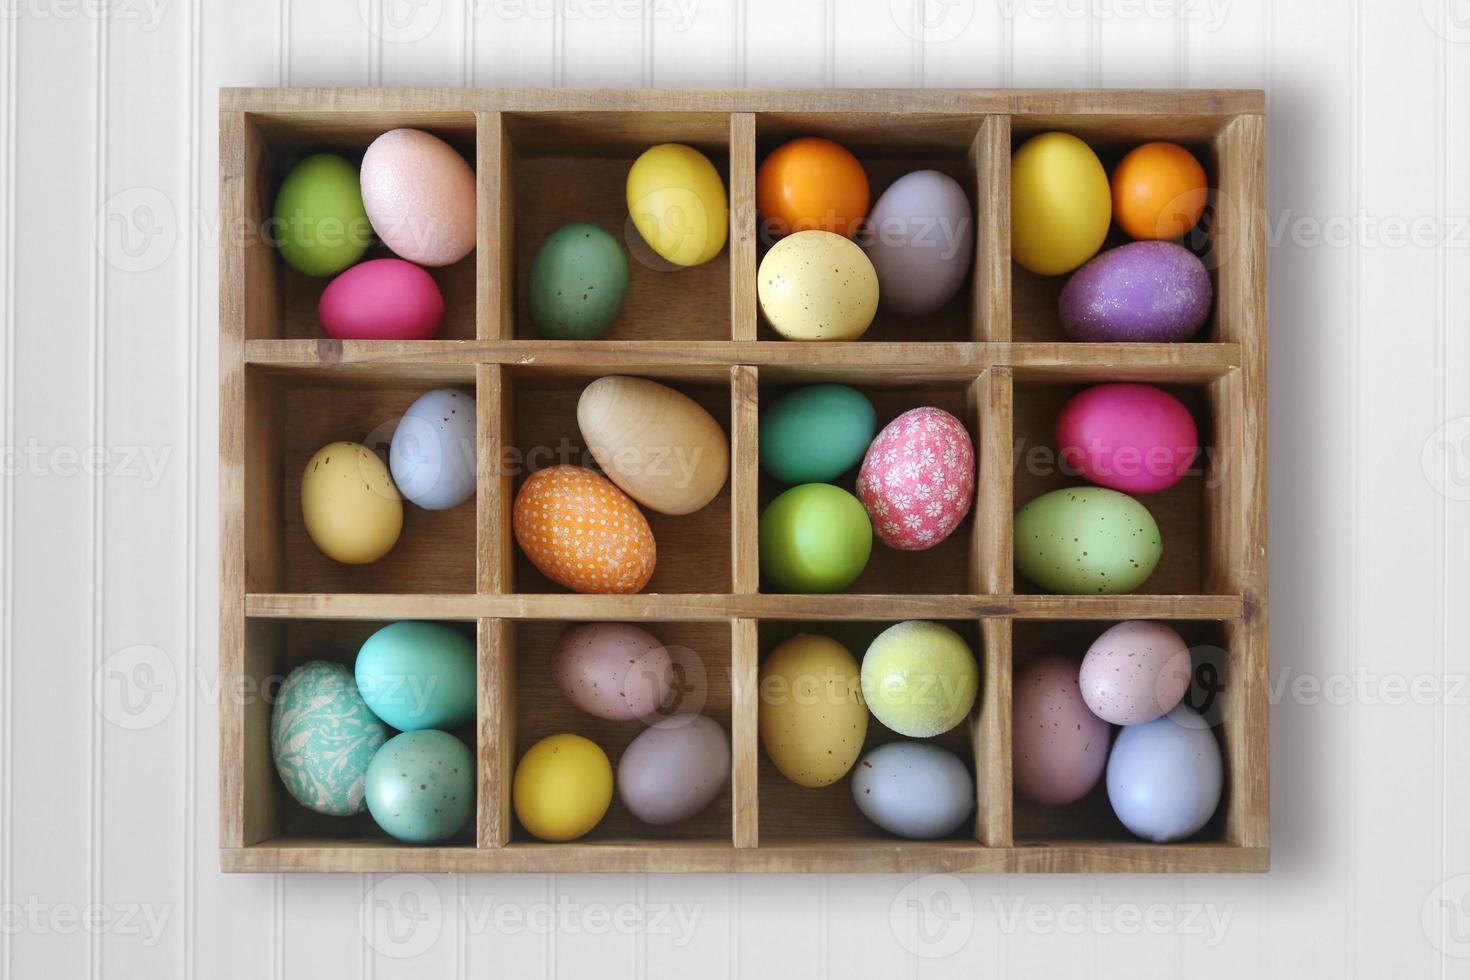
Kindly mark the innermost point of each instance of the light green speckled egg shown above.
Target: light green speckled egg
(323, 736)
(421, 786)
(1087, 541)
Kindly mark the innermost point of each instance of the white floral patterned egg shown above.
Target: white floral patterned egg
(918, 479)
(323, 735)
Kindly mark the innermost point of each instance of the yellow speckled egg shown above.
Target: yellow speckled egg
(350, 505)
(562, 788)
(812, 717)
(678, 204)
(582, 532)
(815, 285)
(1061, 204)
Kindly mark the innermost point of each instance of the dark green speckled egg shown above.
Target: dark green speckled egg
(1087, 541)
(578, 280)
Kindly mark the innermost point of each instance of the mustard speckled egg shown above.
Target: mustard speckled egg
(815, 285)
(812, 719)
(349, 503)
(582, 532)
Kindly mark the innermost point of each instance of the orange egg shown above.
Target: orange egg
(811, 184)
(582, 532)
(1159, 191)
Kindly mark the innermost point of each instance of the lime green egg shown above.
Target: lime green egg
(814, 538)
(1087, 541)
(319, 221)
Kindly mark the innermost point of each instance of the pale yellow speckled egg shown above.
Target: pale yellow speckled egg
(351, 507)
(815, 285)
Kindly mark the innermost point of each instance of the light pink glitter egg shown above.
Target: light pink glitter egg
(419, 194)
(918, 479)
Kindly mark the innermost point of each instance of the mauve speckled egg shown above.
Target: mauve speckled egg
(1165, 777)
(918, 479)
(420, 197)
(1060, 748)
(1142, 291)
(674, 769)
(920, 237)
(913, 789)
(1135, 672)
(612, 670)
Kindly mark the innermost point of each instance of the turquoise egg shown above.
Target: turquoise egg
(578, 280)
(323, 737)
(421, 786)
(418, 675)
(816, 433)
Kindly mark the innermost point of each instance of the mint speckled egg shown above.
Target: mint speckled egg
(578, 280)
(421, 786)
(1087, 541)
(323, 737)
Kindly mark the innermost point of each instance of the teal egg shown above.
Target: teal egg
(816, 433)
(421, 786)
(319, 220)
(418, 675)
(814, 538)
(578, 280)
(323, 737)
(1087, 541)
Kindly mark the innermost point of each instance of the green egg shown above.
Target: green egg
(319, 221)
(1087, 541)
(418, 675)
(814, 538)
(816, 433)
(578, 280)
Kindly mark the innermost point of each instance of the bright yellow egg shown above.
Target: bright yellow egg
(563, 786)
(1061, 204)
(812, 717)
(677, 202)
(349, 503)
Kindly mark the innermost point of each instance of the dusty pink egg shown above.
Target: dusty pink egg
(1135, 672)
(1129, 437)
(918, 479)
(612, 670)
(420, 197)
(384, 299)
(1060, 747)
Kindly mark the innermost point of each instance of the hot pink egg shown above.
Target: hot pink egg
(1060, 747)
(918, 479)
(384, 299)
(1129, 437)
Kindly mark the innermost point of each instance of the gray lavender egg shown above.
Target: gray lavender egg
(1142, 291)
(913, 789)
(674, 769)
(920, 237)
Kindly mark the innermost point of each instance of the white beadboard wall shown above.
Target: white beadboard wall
(108, 772)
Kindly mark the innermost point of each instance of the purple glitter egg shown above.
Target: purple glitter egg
(1142, 291)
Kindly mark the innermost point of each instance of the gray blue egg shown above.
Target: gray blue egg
(433, 452)
(1165, 776)
(421, 786)
(913, 789)
(323, 738)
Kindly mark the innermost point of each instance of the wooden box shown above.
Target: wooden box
(995, 357)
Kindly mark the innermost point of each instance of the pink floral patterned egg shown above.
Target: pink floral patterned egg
(918, 479)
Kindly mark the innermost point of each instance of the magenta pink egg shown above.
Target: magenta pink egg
(1135, 672)
(918, 479)
(1060, 747)
(384, 299)
(1130, 437)
(612, 670)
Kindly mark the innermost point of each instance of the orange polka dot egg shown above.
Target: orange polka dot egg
(582, 532)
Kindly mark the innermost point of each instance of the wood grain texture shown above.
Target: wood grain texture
(995, 357)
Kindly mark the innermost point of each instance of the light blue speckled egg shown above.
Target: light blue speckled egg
(421, 786)
(432, 455)
(323, 736)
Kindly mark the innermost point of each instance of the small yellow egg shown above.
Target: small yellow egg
(815, 285)
(563, 786)
(1061, 204)
(678, 204)
(349, 503)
